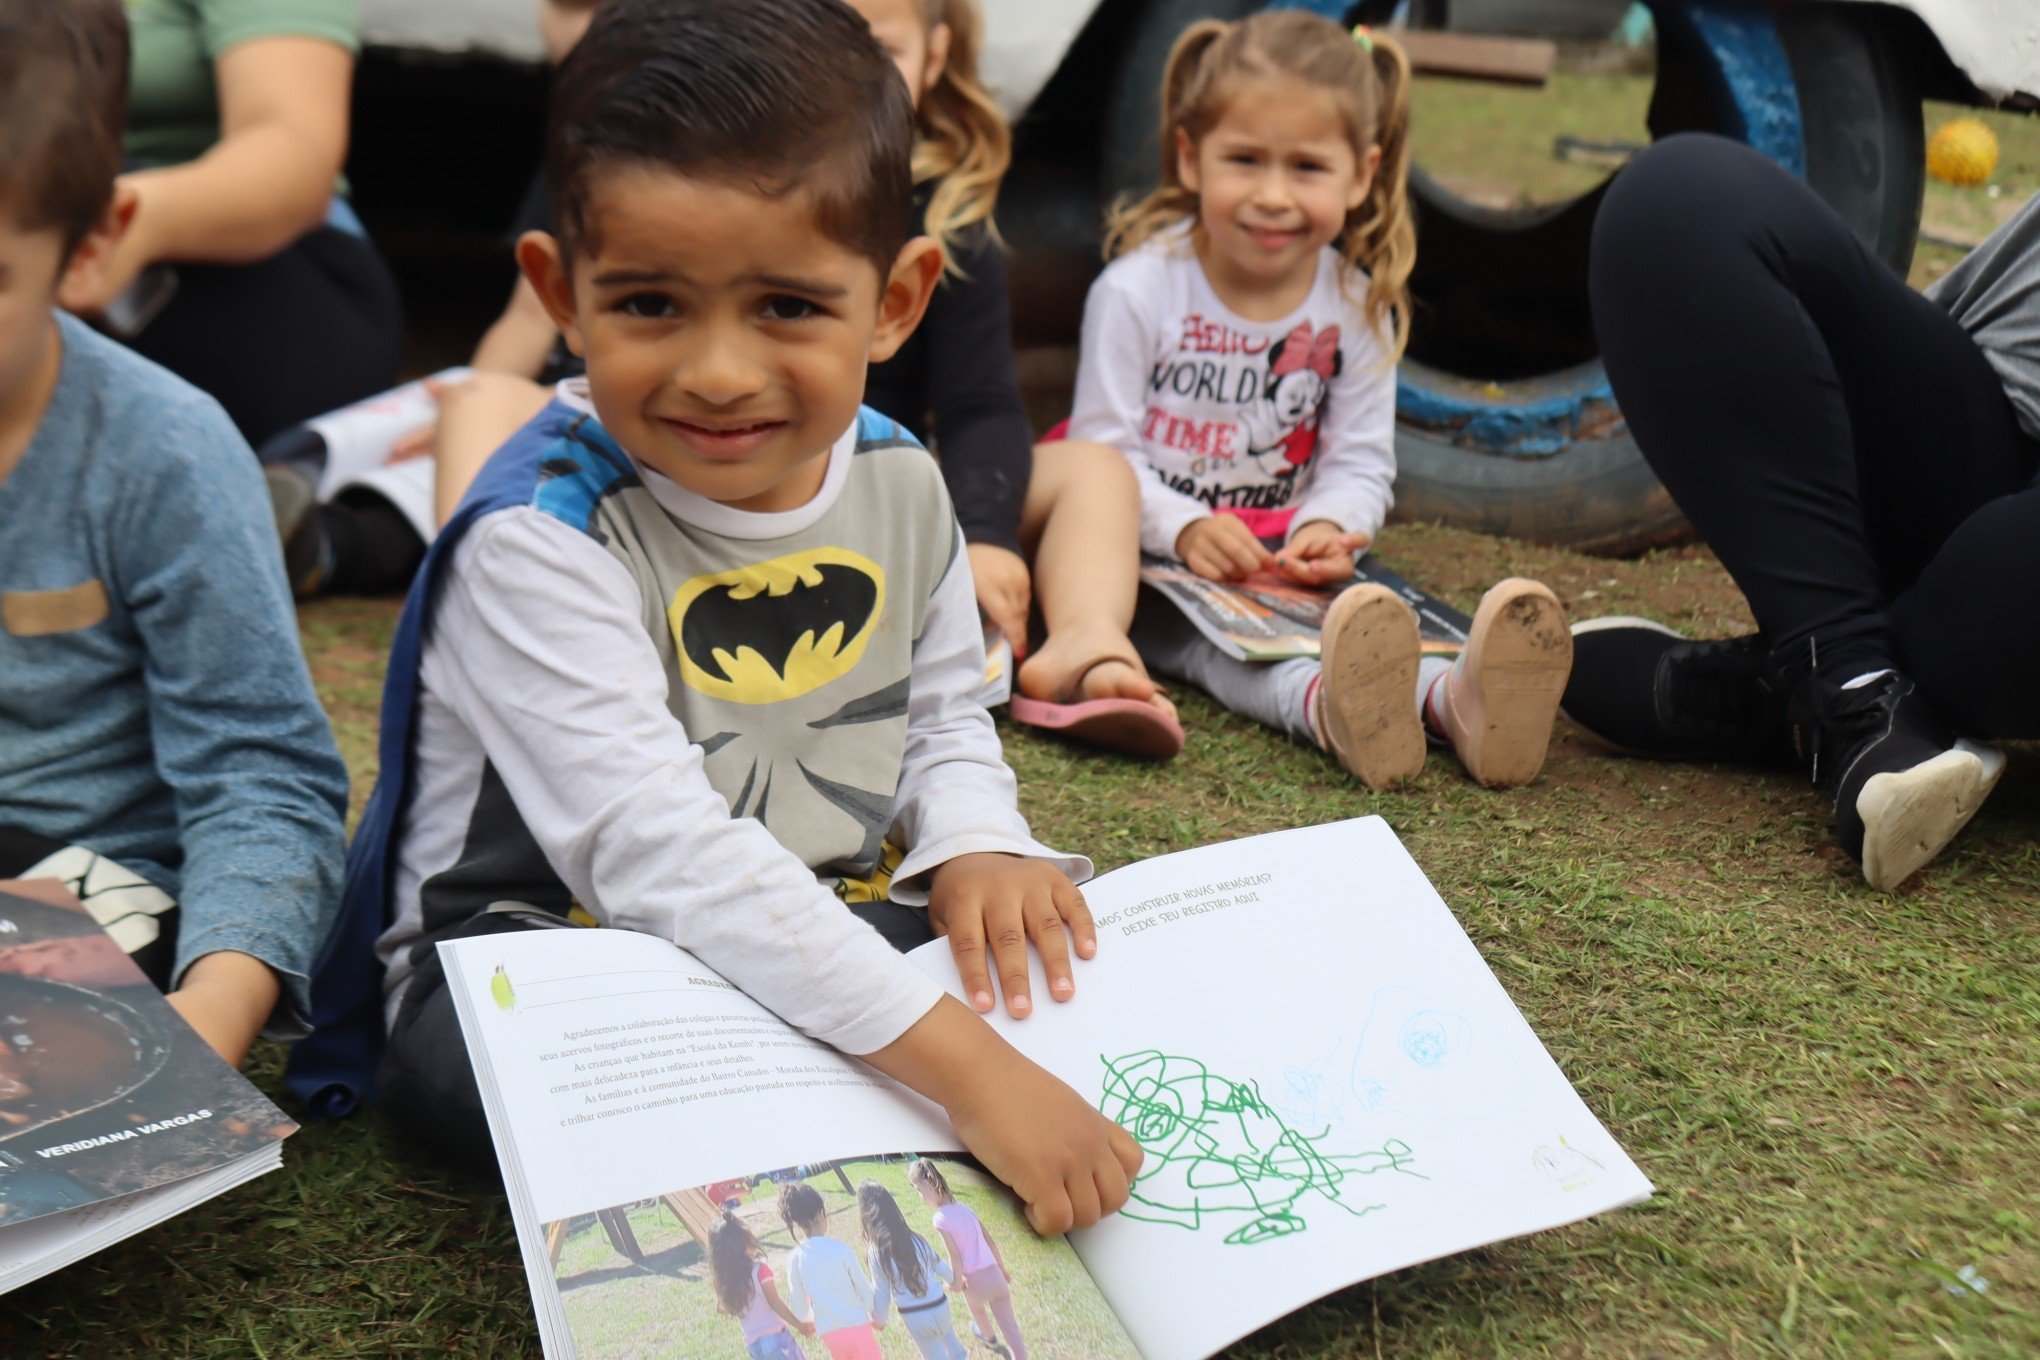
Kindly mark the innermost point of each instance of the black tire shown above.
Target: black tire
(1542, 454)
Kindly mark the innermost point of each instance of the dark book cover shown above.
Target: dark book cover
(104, 1090)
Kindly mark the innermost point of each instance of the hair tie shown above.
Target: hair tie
(1364, 38)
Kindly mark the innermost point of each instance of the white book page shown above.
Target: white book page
(1327, 1080)
(636, 1099)
(626, 1068)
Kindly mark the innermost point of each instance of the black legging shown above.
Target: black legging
(310, 329)
(1838, 440)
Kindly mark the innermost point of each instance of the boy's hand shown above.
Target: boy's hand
(996, 902)
(226, 997)
(1320, 553)
(1221, 548)
(1004, 591)
(1069, 1164)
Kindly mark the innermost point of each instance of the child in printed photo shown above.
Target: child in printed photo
(699, 654)
(1240, 352)
(746, 1290)
(908, 1273)
(980, 1268)
(824, 1282)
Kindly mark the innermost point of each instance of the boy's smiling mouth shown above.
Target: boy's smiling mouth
(723, 440)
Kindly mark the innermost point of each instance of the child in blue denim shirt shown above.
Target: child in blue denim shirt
(161, 748)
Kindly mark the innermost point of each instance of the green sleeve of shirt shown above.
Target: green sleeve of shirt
(173, 107)
(224, 23)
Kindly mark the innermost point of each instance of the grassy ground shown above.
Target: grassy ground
(620, 1313)
(1836, 1092)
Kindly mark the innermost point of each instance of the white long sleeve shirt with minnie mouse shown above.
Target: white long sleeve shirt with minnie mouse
(1282, 422)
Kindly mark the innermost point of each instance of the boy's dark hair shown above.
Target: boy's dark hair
(783, 96)
(63, 110)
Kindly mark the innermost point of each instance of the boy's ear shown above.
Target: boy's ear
(545, 268)
(83, 281)
(1186, 162)
(903, 295)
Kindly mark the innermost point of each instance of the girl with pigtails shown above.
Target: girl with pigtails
(1240, 352)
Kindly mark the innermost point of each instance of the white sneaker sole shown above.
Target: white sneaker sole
(1909, 816)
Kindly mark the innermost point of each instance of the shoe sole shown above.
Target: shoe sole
(1518, 657)
(1369, 652)
(1909, 816)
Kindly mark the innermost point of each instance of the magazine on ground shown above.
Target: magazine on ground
(1327, 1081)
(1270, 618)
(114, 1113)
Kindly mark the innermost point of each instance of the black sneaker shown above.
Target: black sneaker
(1640, 689)
(307, 555)
(1902, 783)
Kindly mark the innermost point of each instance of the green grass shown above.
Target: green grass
(617, 1311)
(1837, 1092)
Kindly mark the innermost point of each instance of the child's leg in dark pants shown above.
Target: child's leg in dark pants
(426, 1086)
(1824, 427)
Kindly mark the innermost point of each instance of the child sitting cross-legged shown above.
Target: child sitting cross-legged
(161, 748)
(698, 654)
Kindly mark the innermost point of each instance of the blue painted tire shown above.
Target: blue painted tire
(1539, 451)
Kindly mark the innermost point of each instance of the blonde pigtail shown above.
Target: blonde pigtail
(1131, 224)
(965, 147)
(1381, 234)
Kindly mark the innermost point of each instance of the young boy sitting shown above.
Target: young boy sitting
(697, 656)
(161, 748)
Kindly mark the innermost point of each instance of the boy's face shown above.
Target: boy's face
(726, 336)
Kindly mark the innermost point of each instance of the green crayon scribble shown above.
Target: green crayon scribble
(1214, 1147)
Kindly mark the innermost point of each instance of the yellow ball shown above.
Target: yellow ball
(1963, 151)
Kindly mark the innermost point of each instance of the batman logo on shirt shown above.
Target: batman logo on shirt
(775, 630)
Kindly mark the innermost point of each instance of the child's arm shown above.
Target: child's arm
(537, 641)
(538, 647)
(520, 340)
(881, 1303)
(997, 1255)
(988, 884)
(866, 1294)
(785, 1314)
(1120, 344)
(245, 749)
(955, 1255)
(1067, 1162)
(796, 1288)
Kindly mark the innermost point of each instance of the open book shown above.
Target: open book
(1327, 1081)
(1268, 617)
(114, 1114)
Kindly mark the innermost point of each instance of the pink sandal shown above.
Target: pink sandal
(1131, 727)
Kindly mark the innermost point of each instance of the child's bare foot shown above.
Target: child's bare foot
(1497, 703)
(1068, 670)
(1096, 690)
(1365, 698)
